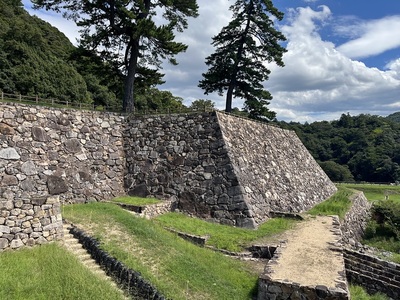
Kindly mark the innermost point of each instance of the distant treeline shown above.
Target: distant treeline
(354, 148)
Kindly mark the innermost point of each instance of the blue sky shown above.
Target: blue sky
(343, 57)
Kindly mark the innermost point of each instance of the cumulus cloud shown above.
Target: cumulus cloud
(212, 17)
(372, 37)
(319, 82)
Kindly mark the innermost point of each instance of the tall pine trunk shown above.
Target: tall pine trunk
(129, 97)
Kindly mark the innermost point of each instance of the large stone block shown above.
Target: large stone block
(56, 185)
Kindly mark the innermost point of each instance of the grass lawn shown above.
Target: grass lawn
(49, 272)
(377, 192)
(337, 204)
(135, 200)
(177, 268)
(223, 236)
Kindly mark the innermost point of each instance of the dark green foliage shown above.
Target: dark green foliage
(153, 99)
(337, 172)
(366, 145)
(242, 49)
(395, 117)
(383, 230)
(37, 59)
(33, 57)
(202, 105)
(125, 34)
(387, 215)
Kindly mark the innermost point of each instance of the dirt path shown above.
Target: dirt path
(307, 257)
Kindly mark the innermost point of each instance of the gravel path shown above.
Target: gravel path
(307, 258)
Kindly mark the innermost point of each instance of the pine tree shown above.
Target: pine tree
(119, 25)
(243, 48)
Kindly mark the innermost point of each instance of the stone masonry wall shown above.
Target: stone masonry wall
(222, 167)
(372, 273)
(29, 222)
(49, 157)
(215, 166)
(274, 168)
(356, 219)
(183, 158)
(75, 154)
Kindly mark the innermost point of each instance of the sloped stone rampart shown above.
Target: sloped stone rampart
(275, 170)
(75, 154)
(214, 166)
(221, 167)
(183, 158)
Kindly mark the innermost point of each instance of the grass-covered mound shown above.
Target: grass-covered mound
(177, 268)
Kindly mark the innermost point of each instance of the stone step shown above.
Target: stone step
(72, 244)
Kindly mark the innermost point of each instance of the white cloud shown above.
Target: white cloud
(373, 37)
(319, 82)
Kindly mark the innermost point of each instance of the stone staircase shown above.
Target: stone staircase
(72, 245)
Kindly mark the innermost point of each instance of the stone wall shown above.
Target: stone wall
(184, 158)
(29, 222)
(75, 154)
(356, 219)
(275, 170)
(374, 274)
(216, 166)
(52, 156)
(222, 167)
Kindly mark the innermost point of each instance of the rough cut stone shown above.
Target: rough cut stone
(16, 244)
(9, 153)
(29, 168)
(39, 134)
(39, 201)
(9, 180)
(5, 229)
(6, 130)
(73, 145)
(56, 185)
(3, 243)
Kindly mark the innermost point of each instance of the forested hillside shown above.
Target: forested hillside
(37, 59)
(360, 148)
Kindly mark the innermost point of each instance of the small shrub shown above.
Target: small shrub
(358, 293)
(387, 214)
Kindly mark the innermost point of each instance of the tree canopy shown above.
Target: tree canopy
(36, 59)
(243, 47)
(125, 33)
(367, 146)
